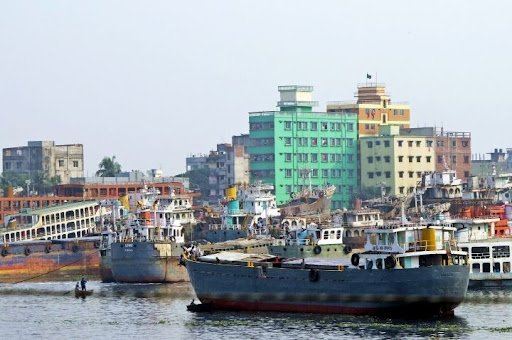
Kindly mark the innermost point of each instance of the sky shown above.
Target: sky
(153, 82)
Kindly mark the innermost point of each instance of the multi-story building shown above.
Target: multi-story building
(373, 109)
(65, 161)
(395, 162)
(452, 149)
(228, 165)
(296, 147)
(196, 162)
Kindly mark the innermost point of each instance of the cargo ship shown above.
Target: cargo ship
(52, 243)
(404, 270)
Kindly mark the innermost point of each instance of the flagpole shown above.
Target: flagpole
(376, 79)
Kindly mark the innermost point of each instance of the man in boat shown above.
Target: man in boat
(77, 287)
(82, 283)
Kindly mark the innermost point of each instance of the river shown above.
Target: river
(49, 310)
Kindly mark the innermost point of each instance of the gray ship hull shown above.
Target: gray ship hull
(147, 262)
(434, 290)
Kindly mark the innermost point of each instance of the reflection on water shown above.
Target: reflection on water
(158, 311)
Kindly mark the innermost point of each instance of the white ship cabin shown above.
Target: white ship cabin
(312, 234)
(69, 220)
(410, 246)
(489, 257)
(259, 200)
(442, 184)
(141, 229)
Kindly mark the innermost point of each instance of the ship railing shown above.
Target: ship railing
(416, 246)
(483, 255)
(298, 242)
(500, 254)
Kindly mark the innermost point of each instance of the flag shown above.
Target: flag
(368, 76)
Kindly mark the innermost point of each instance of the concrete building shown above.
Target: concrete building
(295, 147)
(196, 162)
(451, 148)
(228, 165)
(65, 161)
(394, 161)
(495, 162)
(373, 109)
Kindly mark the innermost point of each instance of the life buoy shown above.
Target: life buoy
(379, 263)
(47, 249)
(75, 248)
(317, 250)
(390, 262)
(4, 252)
(347, 249)
(314, 275)
(97, 244)
(27, 251)
(355, 260)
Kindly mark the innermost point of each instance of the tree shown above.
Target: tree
(198, 181)
(108, 167)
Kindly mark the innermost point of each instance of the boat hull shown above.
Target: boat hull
(106, 274)
(331, 251)
(147, 262)
(435, 290)
(50, 260)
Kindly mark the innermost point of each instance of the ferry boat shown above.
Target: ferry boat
(248, 210)
(405, 270)
(489, 257)
(53, 243)
(157, 219)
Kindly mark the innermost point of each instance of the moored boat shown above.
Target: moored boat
(404, 270)
(83, 293)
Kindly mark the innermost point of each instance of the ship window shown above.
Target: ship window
(476, 267)
(496, 267)
(486, 267)
(506, 267)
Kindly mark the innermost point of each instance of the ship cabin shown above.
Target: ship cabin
(69, 220)
(355, 222)
(410, 246)
(143, 228)
(488, 251)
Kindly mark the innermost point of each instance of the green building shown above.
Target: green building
(296, 147)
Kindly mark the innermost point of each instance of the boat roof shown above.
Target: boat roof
(234, 256)
(55, 208)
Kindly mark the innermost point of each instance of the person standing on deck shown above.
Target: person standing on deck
(82, 283)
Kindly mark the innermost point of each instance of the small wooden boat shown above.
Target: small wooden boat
(83, 293)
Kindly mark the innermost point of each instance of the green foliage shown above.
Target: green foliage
(40, 182)
(108, 167)
(13, 179)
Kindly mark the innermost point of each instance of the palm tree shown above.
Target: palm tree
(108, 167)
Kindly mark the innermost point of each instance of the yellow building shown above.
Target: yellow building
(374, 109)
(394, 161)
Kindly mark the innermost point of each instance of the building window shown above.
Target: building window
(418, 174)
(454, 159)
(287, 140)
(386, 144)
(454, 143)
(75, 164)
(418, 159)
(325, 173)
(387, 174)
(314, 126)
(314, 173)
(350, 158)
(409, 143)
(288, 173)
(350, 173)
(288, 189)
(428, 158)
(377, 142)
(439, 159)
(18, 165)
(387, 159)
(61, 162)
(466, 159)
(369, 144)
(400, 159)
(324, 126)
(314, 157)
(325, 157)
(7, 165)
(465, 143)
(411, 174)
(287, 125)
(287, 157)
(401, 190)
(370, 175)
(466, 174)
(429, 143)
(418, 143)
(410, 158)
(401, 174)
(370, 159)
(314, 141)
(350, 127)
(377, 158)
(400, 143)
(378, 173)
(323, 140)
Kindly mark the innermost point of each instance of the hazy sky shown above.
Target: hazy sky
(153, 82)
